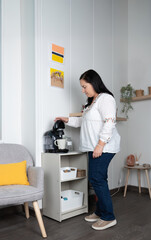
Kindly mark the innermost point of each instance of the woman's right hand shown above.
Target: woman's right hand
(64, 119)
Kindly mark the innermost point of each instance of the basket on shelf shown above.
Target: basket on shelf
(81, 172)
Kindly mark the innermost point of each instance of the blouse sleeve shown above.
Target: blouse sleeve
(107, 109)
(74, 122)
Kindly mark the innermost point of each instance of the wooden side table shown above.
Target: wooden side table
(138, 168)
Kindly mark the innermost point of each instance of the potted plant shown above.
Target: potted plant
(126, 96)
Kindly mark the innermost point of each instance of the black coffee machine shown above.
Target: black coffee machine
(52, 135)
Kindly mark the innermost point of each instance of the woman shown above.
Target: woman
(98, 137)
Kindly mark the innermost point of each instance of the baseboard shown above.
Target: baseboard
(8, 210)
(119, 189)
(129, 188)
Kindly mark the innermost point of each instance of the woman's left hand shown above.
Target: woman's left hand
(97, 151)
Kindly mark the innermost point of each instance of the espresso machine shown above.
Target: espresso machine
(50, 136)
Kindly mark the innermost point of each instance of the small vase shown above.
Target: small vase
(149, 90)
(130, 160)
(139, 93)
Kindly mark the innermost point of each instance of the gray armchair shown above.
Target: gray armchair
(22, 194)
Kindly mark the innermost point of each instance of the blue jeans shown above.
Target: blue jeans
(98, 177)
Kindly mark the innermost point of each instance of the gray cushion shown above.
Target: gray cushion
(18, 194)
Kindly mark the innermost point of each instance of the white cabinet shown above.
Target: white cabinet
(52, 163)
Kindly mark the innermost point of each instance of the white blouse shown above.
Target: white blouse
(98, 123)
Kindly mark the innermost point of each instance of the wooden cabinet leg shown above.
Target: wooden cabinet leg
(26, 209)
(125, 190)
(39, 219)
(139, 180)
(146, 171)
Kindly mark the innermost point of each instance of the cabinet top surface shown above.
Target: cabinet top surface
(64, 154)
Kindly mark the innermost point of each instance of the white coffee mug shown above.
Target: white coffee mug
(60, 143)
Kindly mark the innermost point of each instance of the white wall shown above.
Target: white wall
(81, 39)
(0, 76)
(28, 136)
(18, 90)
(90, 32)
(50, 101)
(11, 71)
(119, 79)
(103, 51)
(94, 35)
(139, 75)
(139, 43)
(113, 37)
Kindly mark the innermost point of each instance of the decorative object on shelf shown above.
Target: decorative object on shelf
(127, 93)
(68, 173)
(69, 144)
(71, 199)
(81, 172)
(139, 93)
(146, 165)
(130, 161)
(149, 90)
(137, 159)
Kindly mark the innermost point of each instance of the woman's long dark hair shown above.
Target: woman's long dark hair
(95, 80)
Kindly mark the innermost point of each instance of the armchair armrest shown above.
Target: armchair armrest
(36, 177)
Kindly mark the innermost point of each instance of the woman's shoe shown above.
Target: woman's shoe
(101, 224)
(92, 218)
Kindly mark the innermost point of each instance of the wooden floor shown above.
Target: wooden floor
(133, 214)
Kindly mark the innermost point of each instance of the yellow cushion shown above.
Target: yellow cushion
(13, 173)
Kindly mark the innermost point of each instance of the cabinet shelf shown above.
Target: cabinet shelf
(74, 212)
(74, 209)
(118, 119)
(142, 98)
(73, 179)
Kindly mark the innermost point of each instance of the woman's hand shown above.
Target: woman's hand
(64, 119)
(97, 151)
